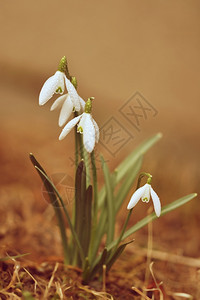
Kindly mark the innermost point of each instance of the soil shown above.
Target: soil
(28, 227)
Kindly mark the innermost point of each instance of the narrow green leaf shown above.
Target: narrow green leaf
(99, 264)
(116, 255)
(110, 201)
(127, 164)
(151, 217)
(80, 190)
(130, 160)
(119, 198)
(54, 201)
(66, 213)
(87, 217)
(99, 232)
(86, 270)
(127, 183)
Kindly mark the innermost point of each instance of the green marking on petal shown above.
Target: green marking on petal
(59, 90)
(80, 129)
(145, 200)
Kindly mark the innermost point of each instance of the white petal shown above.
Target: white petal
(59, 102)
(136, 197)
(82, 103)
(146, 194)
(73, 94)
(88, 133)
(156, 203)
(47, 90)
(66, 111)
(50, 87)
(96, 131)
(68, 127)
(81, 123)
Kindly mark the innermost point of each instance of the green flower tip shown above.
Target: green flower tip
(74, 82)
(88, 105)
(62, 67)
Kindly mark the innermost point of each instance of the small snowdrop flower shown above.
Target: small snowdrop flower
(67, 107)
(56, 85)
(86, 126)
(144, 193)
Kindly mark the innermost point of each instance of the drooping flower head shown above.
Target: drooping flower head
(56, 85)
(86, 126)
(144, 193)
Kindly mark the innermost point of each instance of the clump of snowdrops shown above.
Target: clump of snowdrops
(94, 211)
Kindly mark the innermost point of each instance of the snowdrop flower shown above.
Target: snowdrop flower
(56, 85)
(67, 107)
(144, 193)
(86, 126)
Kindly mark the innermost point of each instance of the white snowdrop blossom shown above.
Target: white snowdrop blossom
(67, 107)
(86, 126)
(56, 85)
(144, 193)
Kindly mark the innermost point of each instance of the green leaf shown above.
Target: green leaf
(54, 201)
(66, 214)
(80, 194)
(116, 255)
(98, 265)
(130, 160)
(87, 218)
(110, 201)
(127, 164)
(127, 183)
(151, 217)
(119, 198)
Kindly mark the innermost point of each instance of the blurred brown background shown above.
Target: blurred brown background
(114, 48)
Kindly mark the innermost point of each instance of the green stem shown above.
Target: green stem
(130, 212)
(84, 157)
(76, 143)
(122, 232)
(80, 141)
(95, 205)
(141, 176)
(95, 186)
